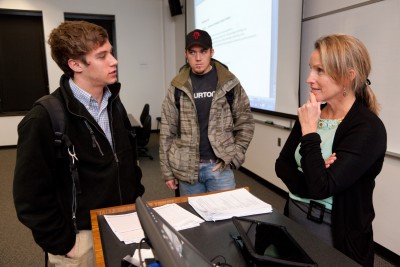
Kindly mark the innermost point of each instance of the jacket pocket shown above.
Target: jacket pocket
(178, 158)
(226, 142)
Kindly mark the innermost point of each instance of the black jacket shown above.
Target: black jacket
(360, 146)
(43, 184)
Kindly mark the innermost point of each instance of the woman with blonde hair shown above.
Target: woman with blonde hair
(336, 149)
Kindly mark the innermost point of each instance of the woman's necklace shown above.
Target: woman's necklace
(328, 123)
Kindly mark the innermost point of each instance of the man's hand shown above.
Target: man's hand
(71, 253)
(172, 184)
(220, 165)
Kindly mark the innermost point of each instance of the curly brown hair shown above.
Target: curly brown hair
(74, 40)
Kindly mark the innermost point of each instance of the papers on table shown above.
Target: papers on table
(212, 207)
(128, 229)
(225, 205)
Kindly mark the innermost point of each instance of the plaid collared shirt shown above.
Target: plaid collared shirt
(99, 113)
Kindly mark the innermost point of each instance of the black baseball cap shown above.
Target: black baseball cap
(198, 37)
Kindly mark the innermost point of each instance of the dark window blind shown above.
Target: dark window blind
(23, 70)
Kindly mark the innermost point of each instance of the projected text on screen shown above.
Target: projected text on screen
(244, 35)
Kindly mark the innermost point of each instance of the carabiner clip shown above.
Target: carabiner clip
(72, 154)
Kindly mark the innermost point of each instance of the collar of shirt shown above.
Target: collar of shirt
(98, 113)
(85, 98)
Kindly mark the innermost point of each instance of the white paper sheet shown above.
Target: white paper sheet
(225, 205)
(128, 229)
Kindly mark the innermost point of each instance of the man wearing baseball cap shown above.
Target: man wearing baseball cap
(206, 122)
(198, 37)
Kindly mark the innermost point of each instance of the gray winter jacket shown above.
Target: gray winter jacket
(229, 132)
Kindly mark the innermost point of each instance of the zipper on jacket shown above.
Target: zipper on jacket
(118, 178)
(94, 140)
(111, 119)
(96, 144)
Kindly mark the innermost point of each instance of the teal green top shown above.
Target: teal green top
(326, 129)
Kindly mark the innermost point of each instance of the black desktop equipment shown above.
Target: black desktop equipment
(170, 248)
(265, 244)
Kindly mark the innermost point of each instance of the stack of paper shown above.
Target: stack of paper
(225, 205)
(128, 229)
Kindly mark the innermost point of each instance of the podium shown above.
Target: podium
(211, 238)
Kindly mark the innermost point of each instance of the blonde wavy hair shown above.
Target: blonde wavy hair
(341, 53)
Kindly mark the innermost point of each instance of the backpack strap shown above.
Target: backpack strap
(56, 113)
(230, 96)
(57, 117)
(177, 94)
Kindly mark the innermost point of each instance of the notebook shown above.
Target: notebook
(266, 244)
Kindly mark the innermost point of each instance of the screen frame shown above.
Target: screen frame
(275, 113)
(288, 58)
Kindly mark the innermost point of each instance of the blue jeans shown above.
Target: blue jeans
(209, 180)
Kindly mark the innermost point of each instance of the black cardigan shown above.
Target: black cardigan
(360, 146)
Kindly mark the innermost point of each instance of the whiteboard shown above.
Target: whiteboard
(377, 25)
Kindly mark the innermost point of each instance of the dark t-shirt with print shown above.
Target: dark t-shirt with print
(203, 92)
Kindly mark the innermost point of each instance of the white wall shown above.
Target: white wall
(174, 36)
(145, 37)
(265, 147)
(316, 7)
(386, 202)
